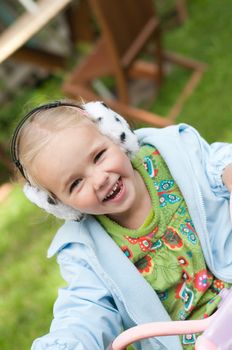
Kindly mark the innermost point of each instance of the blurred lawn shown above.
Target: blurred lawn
(28, 281)
(206, 36)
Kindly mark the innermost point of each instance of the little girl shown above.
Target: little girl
(147, 235)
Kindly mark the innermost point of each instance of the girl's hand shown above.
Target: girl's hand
(227, 177)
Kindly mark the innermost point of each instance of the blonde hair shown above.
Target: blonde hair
(38, 130)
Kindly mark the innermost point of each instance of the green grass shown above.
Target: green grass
(29, 282)
(206, 36)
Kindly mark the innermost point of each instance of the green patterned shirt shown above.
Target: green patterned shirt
(166, 249)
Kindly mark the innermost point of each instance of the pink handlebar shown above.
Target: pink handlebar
(217, 335)
(155, 329)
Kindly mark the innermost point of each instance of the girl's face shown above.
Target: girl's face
(87, 171)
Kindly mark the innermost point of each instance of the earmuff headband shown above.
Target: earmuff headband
(14, 141)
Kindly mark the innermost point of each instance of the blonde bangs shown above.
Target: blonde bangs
(38, 130)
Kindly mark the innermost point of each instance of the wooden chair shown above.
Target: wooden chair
(126, 26)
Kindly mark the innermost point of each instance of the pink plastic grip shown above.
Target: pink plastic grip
(155, 329)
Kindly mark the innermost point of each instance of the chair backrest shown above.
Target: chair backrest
(126, 25)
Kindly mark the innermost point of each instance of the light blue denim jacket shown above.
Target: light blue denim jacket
(105, 293)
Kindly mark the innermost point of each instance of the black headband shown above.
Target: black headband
(14, 140)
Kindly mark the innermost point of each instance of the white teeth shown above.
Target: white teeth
(113, 190)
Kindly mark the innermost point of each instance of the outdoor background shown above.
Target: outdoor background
(29, 281)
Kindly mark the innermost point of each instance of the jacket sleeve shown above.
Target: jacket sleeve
(213, 157)
(220, 157)
(85, 315)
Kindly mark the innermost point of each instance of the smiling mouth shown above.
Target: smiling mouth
(115, 191)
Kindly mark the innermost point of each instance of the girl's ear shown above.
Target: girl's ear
(51, 205)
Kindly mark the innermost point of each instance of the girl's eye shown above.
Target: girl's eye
(74, 184)
(98, 156)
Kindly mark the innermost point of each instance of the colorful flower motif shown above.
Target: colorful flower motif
(126, 250)
(177, 292)
(163, 295)
(184, 229)
(185, 276)
(192, 238)
(164, 189)
(181, 210)
(172, 239)
(188, 230)
(189, 253)
(144, 265)
(156, 245)
(144, 243)
(189, 339)
(156, 153)
(132, 240)
(182, 261)
(166, 198)
(165, 185)
(202, 280)
(218, 285)
(149, 166)
(186, 294)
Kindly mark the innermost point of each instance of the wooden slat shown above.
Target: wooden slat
(83, 92)
(43, 59)
(140, 42)
(186, 92)
(28, 25)
(143, 69)
(139, 115)
(186, 62)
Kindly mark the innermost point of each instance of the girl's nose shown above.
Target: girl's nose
(100, 180)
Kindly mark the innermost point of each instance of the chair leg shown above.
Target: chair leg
(198, 70)
(181, 10)
(188, 89)
(122, 88)
(159, 56)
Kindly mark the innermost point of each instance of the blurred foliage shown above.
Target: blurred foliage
(206, 37)
(28, 281)
(25, 100)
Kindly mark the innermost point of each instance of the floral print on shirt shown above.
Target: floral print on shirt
(169, 256)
